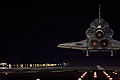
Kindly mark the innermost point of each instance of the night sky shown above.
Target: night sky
(30, 31)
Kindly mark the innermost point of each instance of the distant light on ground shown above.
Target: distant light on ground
(37, 79)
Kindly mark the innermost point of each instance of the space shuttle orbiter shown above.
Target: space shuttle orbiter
(99, 37)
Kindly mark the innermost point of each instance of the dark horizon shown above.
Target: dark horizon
(31, 34)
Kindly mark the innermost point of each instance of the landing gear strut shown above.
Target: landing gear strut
(87, 53)
(112, 53)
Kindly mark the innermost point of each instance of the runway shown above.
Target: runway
(90, 75)
(61, 73)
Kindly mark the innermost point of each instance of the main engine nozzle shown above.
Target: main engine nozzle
(99, 33)
(104, 43)
(94, 43)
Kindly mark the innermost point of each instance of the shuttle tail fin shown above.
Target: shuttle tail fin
(99, 15)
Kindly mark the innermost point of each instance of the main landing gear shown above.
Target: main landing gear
(87, 53)
(112, 53)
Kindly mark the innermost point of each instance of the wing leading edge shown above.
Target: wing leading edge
(82, 45)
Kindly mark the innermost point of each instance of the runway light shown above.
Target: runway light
(6, 73)
(95, 75)
(79, 79)
(106, 74)
(91, 71)
(110, 78)
(82, 76)
(116, 73)
(37, 79)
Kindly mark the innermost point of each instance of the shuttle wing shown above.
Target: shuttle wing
(82, 45)
(116, 45)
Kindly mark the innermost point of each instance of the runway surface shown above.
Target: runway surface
(70, 75)
(61, 73)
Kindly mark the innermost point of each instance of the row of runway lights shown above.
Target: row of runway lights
(114, 72)
(107, 75)
(84, 74)
(95, 75)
